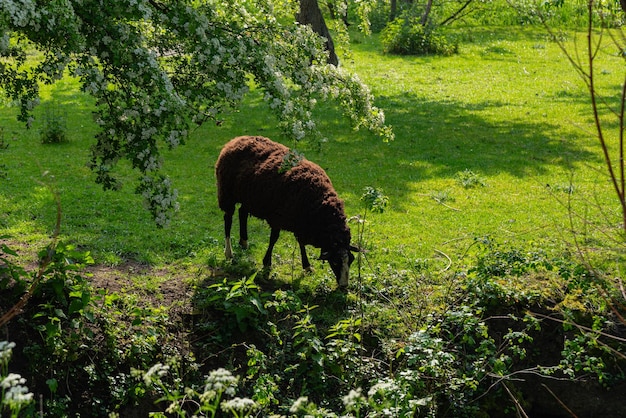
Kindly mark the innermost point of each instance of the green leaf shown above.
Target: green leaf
(259, 305)
(53, 385)
(76, 305)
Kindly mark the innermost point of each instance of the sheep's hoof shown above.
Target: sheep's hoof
(309, 270)
(244, 244)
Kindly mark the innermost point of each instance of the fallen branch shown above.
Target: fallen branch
(587, 329)
(518, 406)
(559, 401)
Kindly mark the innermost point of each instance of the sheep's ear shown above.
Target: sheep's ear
(356, 249)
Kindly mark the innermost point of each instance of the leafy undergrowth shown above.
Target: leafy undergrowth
(516, 330)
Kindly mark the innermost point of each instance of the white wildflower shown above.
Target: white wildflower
(6, 350)
(17, 396)
(382, 388)
(354, 398)
(238, 405)
(155, 373)
(221, 381)
(298, 130)
(299, 404)
(11, 380)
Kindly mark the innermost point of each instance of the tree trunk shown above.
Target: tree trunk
(394, 10)
(429, 6)
(310, 14)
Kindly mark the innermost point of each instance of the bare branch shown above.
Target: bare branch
(559, 401)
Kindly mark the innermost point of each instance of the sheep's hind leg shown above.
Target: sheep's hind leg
(267, 260)
(306, 265)
(243, 227)
(228, 223)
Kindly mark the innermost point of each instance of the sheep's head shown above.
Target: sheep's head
(340, 260)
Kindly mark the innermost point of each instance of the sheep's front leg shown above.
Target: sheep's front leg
(243, 227)
(267, 260)
(228, 223)
(306, 265)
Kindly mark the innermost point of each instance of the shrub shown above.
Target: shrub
(379, 16)
(406, 36)
(54, 130)
(468, 179)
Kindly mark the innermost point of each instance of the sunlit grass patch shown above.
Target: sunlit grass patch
(506, 112)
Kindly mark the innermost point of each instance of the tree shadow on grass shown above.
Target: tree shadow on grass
(449, 136)
(438, 139)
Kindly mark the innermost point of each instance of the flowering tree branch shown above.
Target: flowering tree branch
(156, 68)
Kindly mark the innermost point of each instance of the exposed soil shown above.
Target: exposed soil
(173, 285)
(168, 288)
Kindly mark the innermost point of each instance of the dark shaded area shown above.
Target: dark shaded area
(556, 396)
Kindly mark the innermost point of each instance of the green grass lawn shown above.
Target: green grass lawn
(509, 108)
(494, 144)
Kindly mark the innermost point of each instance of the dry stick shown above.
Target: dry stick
(443, 204)
(619, 184)
(622, 123)
(559, 401)
(596, 116)
(581, 327)
(17, 308)
(447, 257)
(458, 13)
(511, 377)
(584, 328)
(440, 201)
(520, 410)
(615, 311)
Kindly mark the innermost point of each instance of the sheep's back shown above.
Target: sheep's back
(239, 160)
(301, 200)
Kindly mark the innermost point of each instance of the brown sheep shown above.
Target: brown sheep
(300, 199)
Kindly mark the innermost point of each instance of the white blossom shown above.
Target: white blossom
(12, 379)
(6, 350)
(238, 405)
(155, 373)
(383, 387)
(176, 68)
(221, 381)
(353, 398)
(17, 396)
